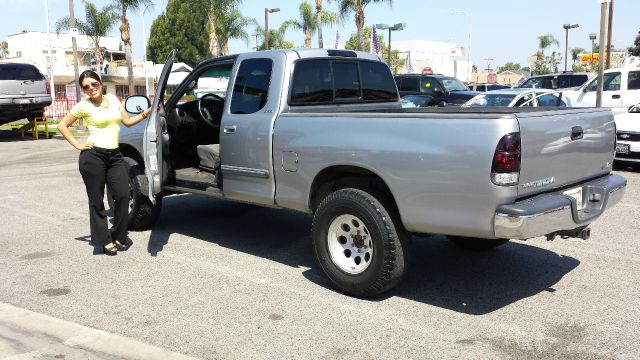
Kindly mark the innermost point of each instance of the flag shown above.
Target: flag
(375, 43)
(409, 64)
(337, 38)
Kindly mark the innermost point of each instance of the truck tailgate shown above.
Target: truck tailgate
(562, 148)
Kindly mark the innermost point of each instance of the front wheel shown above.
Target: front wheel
(477, 244)
(142, 212)
(358, 245)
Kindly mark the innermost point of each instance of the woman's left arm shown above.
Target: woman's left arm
(130, 121)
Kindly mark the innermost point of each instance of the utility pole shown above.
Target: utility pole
(603, 20)
(608, 65)
(74, 32)
(52, 83)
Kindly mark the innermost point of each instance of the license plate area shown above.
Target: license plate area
(622, 148)
(577, 195)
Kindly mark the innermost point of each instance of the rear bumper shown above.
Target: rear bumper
(634, 152)
(548, 213)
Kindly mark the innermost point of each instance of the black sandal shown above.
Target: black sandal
(120, 246)
(110, 251)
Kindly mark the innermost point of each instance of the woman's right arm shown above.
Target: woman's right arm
(63, 127)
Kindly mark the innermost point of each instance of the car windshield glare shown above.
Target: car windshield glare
(487, 100)
(453, 84)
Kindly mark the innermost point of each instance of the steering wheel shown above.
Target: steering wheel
(204, 112)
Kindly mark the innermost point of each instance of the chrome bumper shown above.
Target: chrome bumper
(548, 213)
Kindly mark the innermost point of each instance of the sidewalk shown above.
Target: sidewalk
(27, 335)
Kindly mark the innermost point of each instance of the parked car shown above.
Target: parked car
(487, 87)
(620, 90)
(557, 81)
(414, 101)
(628, 135)
(24, 92)
(516, 98)
(445, 90)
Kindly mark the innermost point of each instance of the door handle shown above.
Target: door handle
(229, 129)
(615, 96)
(576, 133)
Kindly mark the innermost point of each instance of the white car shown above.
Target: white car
(516, 97)
(621, 89)
(628, 135)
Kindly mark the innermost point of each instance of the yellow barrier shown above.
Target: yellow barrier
(33, 125)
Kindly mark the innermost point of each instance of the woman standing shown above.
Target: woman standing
(101, 161)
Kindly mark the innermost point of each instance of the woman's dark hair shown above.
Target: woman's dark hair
(89, 74)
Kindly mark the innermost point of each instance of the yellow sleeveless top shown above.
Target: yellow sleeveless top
(103, 122)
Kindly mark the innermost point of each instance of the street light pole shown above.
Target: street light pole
(592, 37)
(469, 42)
(52, 84)
(603, 19)
(266, 25)
(566, 41)
(396, 27)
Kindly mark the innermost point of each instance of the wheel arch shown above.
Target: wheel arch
(131, 152)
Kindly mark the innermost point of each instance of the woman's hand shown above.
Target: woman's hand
(85, 146)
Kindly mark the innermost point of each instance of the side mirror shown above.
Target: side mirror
(136, 104)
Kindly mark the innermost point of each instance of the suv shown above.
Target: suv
(556, 81)
(24, 92)
(445, 90)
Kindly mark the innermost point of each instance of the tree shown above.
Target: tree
(4, 49)
(276, 37)
(575, 52)
(474, 69)
(307, 22)
(97, 25)
(509, 67)
(396, 62)
(544, 41)
(184, 27)
(125, 32)
(635, 49)
(357, 7)
(319, 22)
(226, 22)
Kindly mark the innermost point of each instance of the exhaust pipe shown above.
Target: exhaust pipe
(583, 233)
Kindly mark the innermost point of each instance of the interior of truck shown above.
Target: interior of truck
(194, 113)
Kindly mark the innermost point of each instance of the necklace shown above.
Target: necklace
(103, 104)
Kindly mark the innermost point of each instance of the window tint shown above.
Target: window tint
(410, 84)
(19, 72)
(251, 88)
(312, 83)
(577, 80)
(346, 80)
(633, 83)
(550, 100)
(429, 85)
(377, 82)
(611, 82)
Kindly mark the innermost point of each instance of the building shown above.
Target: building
(507, 77)
(440, 57)
(33, 47)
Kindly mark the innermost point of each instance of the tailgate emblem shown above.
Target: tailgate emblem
(539, 183)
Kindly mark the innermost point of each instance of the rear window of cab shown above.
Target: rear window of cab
(329, 81)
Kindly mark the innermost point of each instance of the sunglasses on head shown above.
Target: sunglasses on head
(93, 85)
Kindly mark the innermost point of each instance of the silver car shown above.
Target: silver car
(24, 92)
(516, 98)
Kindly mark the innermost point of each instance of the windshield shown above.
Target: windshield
(486, 100)
(453, 84)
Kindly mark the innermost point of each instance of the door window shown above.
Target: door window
(377, 82)
(633, 83)
(611, 82)
(410, 84)
(251, 88)
(346, 80)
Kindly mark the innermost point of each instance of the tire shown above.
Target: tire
(360, 246)
(142, 212)
(477, 244)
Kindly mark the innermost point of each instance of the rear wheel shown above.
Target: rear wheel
(142, 212)
(477, 244)
(357, 243)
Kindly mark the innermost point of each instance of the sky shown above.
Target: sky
(503, 31)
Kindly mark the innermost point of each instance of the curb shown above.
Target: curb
(68, 337)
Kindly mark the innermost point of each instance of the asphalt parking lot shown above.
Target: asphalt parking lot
(220, 280)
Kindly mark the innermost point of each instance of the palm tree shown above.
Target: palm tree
(98, 24)
(319, 22)
(226, 22)
(276, 36)
(125, 32)
(575, 52)
(357, 7)
(307, 22)
(545, 41)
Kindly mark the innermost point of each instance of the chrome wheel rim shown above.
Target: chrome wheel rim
(350, 244)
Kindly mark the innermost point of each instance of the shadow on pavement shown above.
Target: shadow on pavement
(12, 136)
(441, 274)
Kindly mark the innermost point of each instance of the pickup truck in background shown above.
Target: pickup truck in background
(323, 132)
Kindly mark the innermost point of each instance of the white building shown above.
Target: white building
(33, 47)
(441, 57)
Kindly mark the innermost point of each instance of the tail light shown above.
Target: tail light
(505, 169)
(48, 87)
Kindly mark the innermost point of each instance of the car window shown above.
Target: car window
(346, 80)
(611, 82)
(453, 84)
(550, 100)
(410, 84)
(251, 88)
(377, 82)
(429, 85)
(633, 83)
(312, 83)
(487, 99)
(524, 99)
(19, 72)
(578, 80)
(535, 83)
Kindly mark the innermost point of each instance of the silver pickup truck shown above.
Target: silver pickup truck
(323, 132)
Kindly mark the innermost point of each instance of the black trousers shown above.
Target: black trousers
(100, 167)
